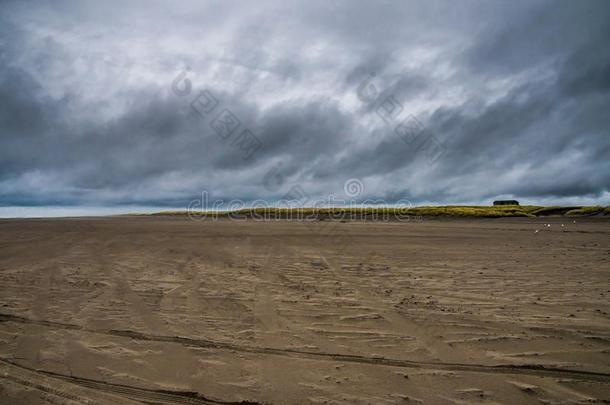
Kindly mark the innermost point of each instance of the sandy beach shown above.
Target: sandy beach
(168, 310)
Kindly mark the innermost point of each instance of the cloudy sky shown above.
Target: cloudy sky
(438, 102)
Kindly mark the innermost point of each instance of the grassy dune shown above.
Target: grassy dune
(455, 211)
(586, 210)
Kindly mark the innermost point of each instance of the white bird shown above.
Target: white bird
(536, 231)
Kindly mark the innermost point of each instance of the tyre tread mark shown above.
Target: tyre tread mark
(537, 370)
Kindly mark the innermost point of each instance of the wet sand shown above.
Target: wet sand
(167, 310)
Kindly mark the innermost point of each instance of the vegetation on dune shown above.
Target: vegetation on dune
(552, 210)
(530, 209)
(586, 210)
(373, 213)
(471, 211)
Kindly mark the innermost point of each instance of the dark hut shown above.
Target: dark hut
(506, 202)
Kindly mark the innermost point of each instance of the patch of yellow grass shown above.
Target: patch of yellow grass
(586, 210)
(343, 213)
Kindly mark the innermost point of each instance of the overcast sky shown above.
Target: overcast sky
(445, 102)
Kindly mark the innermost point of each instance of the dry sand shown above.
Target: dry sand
(167, 310)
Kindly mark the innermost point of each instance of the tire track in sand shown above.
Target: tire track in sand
(88, 391)
(528, 369)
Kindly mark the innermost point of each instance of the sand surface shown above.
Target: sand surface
(167, 310)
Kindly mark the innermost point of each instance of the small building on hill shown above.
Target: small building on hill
(506, 202)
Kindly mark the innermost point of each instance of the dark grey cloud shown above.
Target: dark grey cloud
(515, 93)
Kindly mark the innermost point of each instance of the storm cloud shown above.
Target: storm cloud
(120, 103)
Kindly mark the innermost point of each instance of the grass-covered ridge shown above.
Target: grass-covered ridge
(586, 211)
(389, 213)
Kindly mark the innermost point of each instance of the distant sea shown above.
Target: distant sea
(78, 211)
